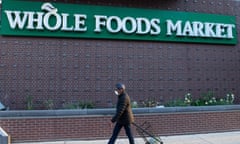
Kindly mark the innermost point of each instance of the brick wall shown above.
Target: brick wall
(43, 128)
(72, 70)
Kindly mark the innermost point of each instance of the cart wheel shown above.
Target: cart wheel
(161, 142)
(147, 142)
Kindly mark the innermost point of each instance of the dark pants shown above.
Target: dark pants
(116, 131)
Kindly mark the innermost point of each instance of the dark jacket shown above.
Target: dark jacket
(124, 113)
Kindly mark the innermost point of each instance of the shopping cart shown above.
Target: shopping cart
(146, 132)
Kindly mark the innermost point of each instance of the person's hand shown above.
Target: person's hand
(110, 124)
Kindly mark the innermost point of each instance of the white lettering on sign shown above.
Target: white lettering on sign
(40, 20)
(128, 25)
(200, 29)
(49, 19)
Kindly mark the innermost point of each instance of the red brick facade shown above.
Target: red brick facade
(70, 70)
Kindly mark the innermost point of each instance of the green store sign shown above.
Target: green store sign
(29, 18)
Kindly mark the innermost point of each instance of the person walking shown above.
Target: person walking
(123, 116)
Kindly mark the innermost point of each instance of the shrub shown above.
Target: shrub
(206, 99)
(79, 105)
(134, 104)
(177, 102)
(150, 103)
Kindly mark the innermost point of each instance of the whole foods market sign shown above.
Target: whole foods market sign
(26, 18)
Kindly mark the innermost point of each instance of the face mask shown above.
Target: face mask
(116, 92)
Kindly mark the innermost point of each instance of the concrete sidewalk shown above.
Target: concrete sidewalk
(211, 138)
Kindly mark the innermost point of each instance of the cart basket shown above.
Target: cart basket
(145, 131)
